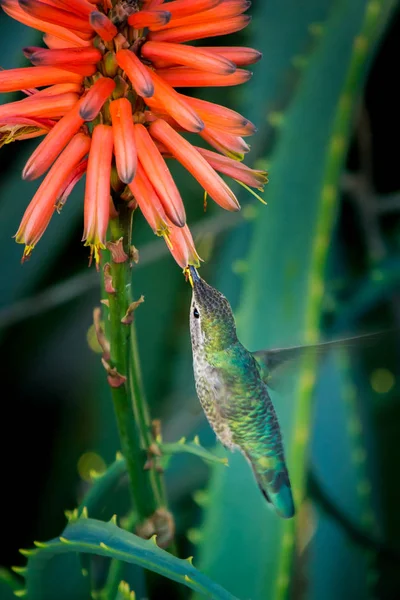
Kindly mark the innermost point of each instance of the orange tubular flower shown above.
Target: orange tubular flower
(39, 212)
(191, 57)
(149, 202)
(226, 143)
(103, 26)
(157, 171)
(80, 6)
(200, 30)
(236, 170)
(242, 57)
(13, 9)
(97, 193)
(151, 4)
(187, 77)
(182, 247)
(149, 18)
(124, 139)
(136, 71)
(58, 16)
(195, 164)
(48, 150)
(107, 80)
(92, 103)
(221, 118)
(175, 105)
(50, 106)
(182, 8)
(19, 79)
(70, 56)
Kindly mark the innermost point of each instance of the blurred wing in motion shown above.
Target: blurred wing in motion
(275, 364)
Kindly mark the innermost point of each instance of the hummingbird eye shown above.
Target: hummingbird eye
(196, 313)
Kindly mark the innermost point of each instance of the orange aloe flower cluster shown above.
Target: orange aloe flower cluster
(107, 106)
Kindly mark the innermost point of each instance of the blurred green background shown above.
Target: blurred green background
(322, 259)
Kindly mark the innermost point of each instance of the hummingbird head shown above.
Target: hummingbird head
(212, 324)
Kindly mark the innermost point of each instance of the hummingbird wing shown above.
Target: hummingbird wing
(274, 364)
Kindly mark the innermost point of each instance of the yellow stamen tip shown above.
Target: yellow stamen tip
(27, 252)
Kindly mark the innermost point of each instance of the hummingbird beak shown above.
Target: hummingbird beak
(193, 276)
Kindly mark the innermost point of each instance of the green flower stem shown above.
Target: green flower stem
(130, 405)
(142, 415)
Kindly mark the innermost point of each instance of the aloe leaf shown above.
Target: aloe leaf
(55, 576)
(340, 467)
(103, 486)
(194, 448)
(9, 584)
(107, 539)
(283, 284)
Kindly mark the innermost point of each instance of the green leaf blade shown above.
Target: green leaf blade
(106, 539)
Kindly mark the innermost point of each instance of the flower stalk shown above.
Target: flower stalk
(124, 376)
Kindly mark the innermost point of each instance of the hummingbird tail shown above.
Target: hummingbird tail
(275, 486)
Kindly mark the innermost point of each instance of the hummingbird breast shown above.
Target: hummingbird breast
(237, 404)
(212, 394)
(233, 396)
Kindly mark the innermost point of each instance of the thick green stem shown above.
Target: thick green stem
(130, 405)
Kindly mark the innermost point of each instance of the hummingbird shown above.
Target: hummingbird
(232, 389)
(232, 386)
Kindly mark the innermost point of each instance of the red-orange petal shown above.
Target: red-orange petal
(58, 43)
(188, 77)
(54, 142)
(242, 57)
(94, 100)
(57, 89)
(149, 18)
(157, 171)
(188, 56)
(57, 16)
(102, 26)
(183, 8)
(14, 80)
(76, 174)
(230, 145)
(97, 191)
(12, 130)
(75, 6)
(12, 8)
(221, 117)
(174, 105)
(151, 4)
(149, 202)
(138, 74)
(198, 31)
(223, 10)
(83, 70)
(48, 106)
(40, 210)
(235, 169)
(71, 56)
(192, 160)
(17, 121)
(124, 139)
(180, 244)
